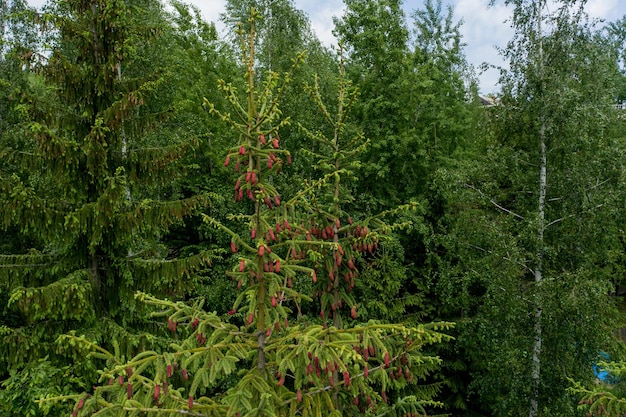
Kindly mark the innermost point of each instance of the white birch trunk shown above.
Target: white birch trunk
(535, 372)
(537, 328)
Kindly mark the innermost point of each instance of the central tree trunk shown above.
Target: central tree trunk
(535, 374)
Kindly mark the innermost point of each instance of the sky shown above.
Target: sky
(484, 28)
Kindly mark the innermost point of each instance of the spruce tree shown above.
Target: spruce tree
(90, 190)
(267, 356)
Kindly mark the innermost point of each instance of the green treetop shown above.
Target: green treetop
(267, 356)
(534, 218)
(90, 187)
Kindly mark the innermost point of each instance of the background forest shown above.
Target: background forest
(259, 225)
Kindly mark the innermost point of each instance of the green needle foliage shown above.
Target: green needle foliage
(267, 356)
(120, 185)
(89, 189)
(606, 399)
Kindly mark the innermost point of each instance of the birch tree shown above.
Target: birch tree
(535, 216)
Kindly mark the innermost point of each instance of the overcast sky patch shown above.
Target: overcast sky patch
(483, 29)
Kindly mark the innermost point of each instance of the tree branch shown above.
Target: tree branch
(494, 203)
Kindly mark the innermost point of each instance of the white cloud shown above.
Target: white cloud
(604, 9)
(36, 3)
(210, 9)
(484, 28)
(321, 17)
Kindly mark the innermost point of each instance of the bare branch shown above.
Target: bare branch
(506, 210)
(572, 215)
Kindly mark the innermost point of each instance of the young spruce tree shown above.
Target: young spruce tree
(266, 358)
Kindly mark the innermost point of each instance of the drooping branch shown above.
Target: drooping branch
(506, 210)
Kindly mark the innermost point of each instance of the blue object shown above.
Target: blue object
(599, 372)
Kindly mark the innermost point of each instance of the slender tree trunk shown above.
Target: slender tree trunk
(336, 315)
(537, 330)
(535, 373)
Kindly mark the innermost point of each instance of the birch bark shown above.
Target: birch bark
(535, 373)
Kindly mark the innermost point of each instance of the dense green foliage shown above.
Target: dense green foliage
(260, 225)
(88, 189)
